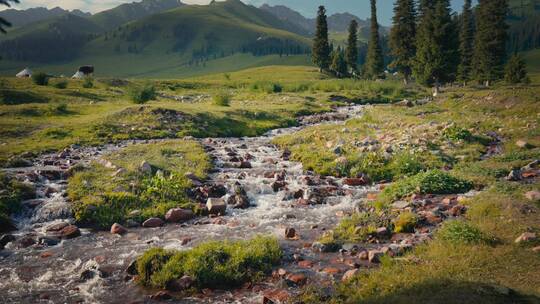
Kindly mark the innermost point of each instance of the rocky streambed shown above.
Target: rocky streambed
(255, 188)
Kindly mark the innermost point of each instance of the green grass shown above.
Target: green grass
(212, 264)
(12, 193)
(101, 197)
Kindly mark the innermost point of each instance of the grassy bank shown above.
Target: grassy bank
(472, 260)
(117, 190)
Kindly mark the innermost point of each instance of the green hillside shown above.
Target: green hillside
(186, 41)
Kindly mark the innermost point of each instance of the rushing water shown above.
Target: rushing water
(91, 268)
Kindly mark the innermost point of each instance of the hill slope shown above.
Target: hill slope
(19, 18)
(178, 39)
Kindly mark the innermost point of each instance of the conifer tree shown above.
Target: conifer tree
(466, 41)
(516, 71)
(374, 65)
(339, 65)
(402, 37)
(437, 54)
(4, 23)
(490, 40)
(321, 48)
(352, 47)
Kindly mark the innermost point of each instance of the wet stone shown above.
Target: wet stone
(118, 229)
(216, 206)
(70, 232)
(153, 222)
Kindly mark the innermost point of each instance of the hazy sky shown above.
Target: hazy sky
(306, 7)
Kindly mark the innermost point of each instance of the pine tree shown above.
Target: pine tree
(352, 46)
(466, 41)
(402, 37)
(4, 23)
(321, 48)
(339, 65)
(490, 40)
(516, 71)
(437, 54)
(374, 65)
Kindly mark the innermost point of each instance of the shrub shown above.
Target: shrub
(62, 84)
(104, 210)
(405, 222)
(88, 83)
(516, 71)
(356, 228)
(212, 264)
(12, 192)
(431, 182)
(406, 164)
(222, 99)
(457, 133)
(459, 231)
(58, 109)
(141, 95)
(40, 78)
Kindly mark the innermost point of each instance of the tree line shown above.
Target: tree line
(428, 42)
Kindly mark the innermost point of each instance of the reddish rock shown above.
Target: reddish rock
(290, 233)
(70, 232)
(297, 279)
(46, 254)
(298, 194)
(533, 195)
(359, 181)
(305, 264)
(372, 196)
(349, 275)
(363, 255)
(278, 185)
(161, 296)
(153, 222)
(118, 229)
(276, 296)
(176, 215)
(526, 237)
(56, 227)
(457, 210)
(331, 270)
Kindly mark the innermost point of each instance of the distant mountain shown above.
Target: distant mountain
(23, 17)
(336, 22)
(127, 12)
(183, 36)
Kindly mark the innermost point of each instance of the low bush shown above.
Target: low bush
(141, 95)
(61, 84)
(406, 164)
(58, 109)
(405, 222)
(431, 182)
(88, 83)
(457, 133)
(459, 231)
(222, 99)
(40, 79)
(356, 228)
(211, 265)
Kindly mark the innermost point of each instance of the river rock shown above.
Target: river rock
(297, 279)
(278, 185)
(216, 206)
(349, 275)
(161, 296)
(245, 165)
(526, 237)
(357, 181)
(400, 205)
(70, 232)
(514, 175)
(533, 195)
(145, 167)
(290, 233)
(184, 283)
(374, 256)
(176, 215)
(276, 296)
(118, 229)
(153, 222)
(238, 201)
(48, 240)
(56, 227)
(5, 239)
(26, 241)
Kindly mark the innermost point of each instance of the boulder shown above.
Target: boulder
(56, 227)
(245, 165)
(514, 175)
(297, 279)
(276, 296)
(184, 283)
(118, 229)
(238, 201)
(153, 222)
(526, 237)
(522, 144)
(290, 233)
(374, 256)
(533, 195)
(176, 215)
(145, 167)
(70, 232)
(349, 275)
(216, 206)
(357, 181)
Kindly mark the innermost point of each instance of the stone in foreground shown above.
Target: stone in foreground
(118, 229)
(216, 206)
(153, 222)
(176, 215)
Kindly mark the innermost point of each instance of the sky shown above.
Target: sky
(307, 8)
